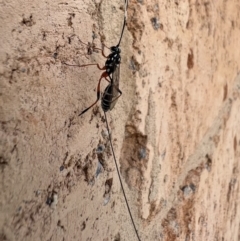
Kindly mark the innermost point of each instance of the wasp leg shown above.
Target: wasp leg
(114, 101)
(104, 75)
(102, 49)
(103, 54)
(119, 91)
(84, 65)
(108, 80)
(89, 45)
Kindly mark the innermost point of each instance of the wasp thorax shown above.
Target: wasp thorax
(115, 49)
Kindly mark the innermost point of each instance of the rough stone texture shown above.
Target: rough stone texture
(175, 129)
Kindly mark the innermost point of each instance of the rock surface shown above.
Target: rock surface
(175, 129)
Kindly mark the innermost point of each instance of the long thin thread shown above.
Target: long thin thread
(120, 178)
(124, 21)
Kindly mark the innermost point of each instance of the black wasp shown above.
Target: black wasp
(112, 70)
(111, 94)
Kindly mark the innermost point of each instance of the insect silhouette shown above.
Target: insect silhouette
(111, 70)
(111, 94)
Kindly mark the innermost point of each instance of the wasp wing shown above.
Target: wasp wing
(116, 92)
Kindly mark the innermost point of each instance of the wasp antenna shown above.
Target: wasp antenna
(118, 172)
(124, 21)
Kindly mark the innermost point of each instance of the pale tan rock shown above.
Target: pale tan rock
(175, 129)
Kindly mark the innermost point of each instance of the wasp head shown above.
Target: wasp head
(115, 49)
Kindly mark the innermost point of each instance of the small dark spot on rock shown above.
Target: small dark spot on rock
(44, 35)
(193, 187)
(49, 201)
(142, 154)
(85, 171)
(28, 21)
(83, 226)
(94, 35)
(165, 178)
(117, 237)
(100, 149)
(71, 16)
(235, 143)
(61, 168)
(3, 161)
(19, 209)
(225, 92)
(190, 61)
(55, 55)
(155, 23)
(188, 190)
(208, 163)
(3, 237)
